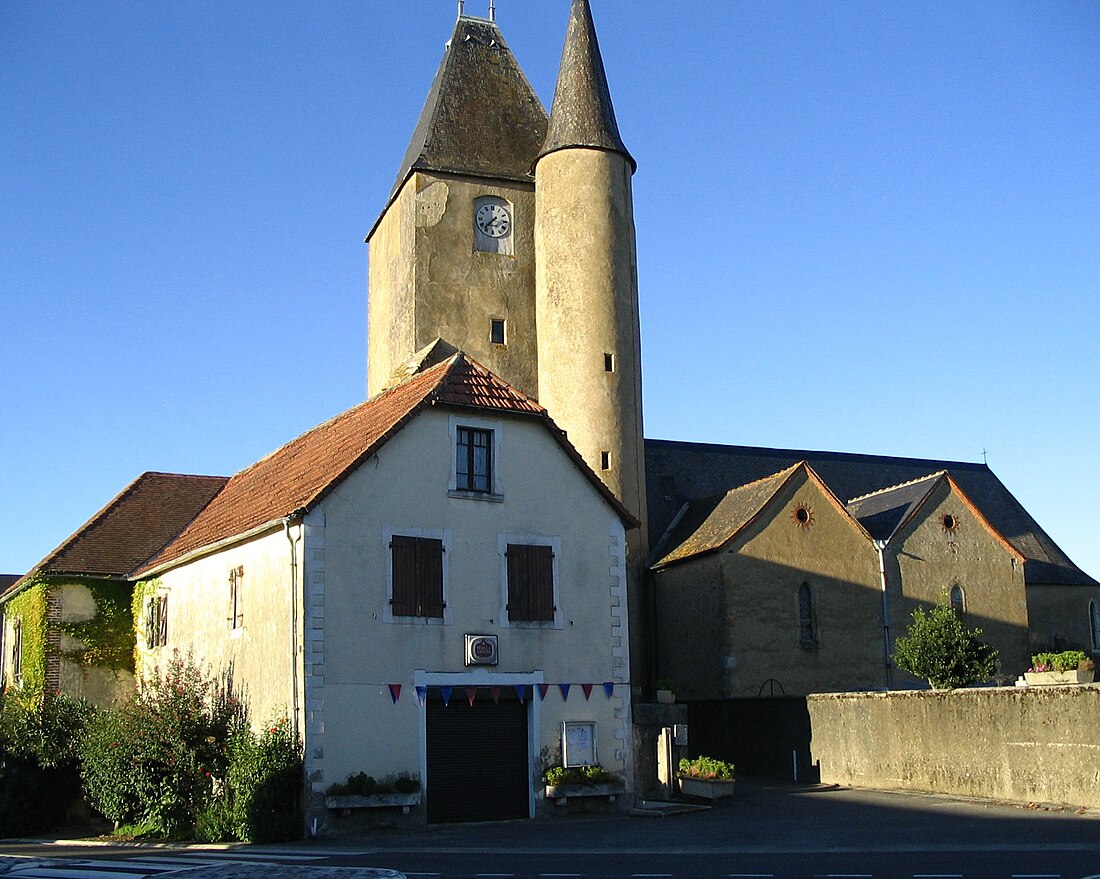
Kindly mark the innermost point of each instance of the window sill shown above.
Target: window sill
(476, 496)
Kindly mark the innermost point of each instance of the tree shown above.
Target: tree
(940, 649)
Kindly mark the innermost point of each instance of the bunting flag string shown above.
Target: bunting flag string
(523, 692)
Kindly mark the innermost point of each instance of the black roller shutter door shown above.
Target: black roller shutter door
(477, 762)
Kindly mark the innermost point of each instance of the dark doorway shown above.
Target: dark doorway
(477, 760)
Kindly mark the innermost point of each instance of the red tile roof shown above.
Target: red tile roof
(297, 476)
(149, 512)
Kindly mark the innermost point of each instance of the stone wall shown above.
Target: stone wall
(1035, 744)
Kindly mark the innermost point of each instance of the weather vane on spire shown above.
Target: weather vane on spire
(492, 9)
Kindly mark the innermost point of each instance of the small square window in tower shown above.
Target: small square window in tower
(497, 335)
(474, 460)
(493, 225)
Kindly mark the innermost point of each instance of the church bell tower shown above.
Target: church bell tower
(586, 278)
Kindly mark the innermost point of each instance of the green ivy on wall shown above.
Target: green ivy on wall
(142, 590)
(29, 606)
(108, 637)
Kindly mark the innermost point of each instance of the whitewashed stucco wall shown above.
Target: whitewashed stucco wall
(259, 652)
(354, 651)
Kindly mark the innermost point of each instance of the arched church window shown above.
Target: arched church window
(807, 626)
(493, 225)
(958, 600)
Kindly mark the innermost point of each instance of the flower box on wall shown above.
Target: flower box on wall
(347, 802)
(1053, 678)
(706, 788)
(562, 793)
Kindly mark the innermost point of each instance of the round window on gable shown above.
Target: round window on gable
(802, 516)
(949, 523)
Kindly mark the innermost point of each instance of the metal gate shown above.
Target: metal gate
(477, 760)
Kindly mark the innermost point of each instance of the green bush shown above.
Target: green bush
(940, 649)
(1067, 660)
(582, 775)
(263, 784)
(708, 768)
(40, 737)
(155, 760)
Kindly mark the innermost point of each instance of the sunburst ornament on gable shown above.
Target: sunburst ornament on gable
(949, 523)
(802, 516)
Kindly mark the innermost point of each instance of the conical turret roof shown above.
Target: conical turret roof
(582, 115)
(481, 117)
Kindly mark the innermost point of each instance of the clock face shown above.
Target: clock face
(494, 220)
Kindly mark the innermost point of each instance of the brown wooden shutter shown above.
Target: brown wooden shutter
(530, 583)
(429, 570)
(518, 594)
(162, 621)
(403, 598)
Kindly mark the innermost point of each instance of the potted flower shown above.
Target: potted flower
(666, 691)
(568, 782)
(362, 791)
(706, 777)
(1067, 667)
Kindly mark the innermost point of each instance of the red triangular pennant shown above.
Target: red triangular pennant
(395, 692)
(496, 694)
(543, 690)
(471, 695)
(587, 691)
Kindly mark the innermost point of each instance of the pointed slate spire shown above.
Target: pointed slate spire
(482, 117)
(582, 115)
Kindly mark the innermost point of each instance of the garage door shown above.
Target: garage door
(477, 762)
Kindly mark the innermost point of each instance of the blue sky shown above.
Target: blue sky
(862, 226)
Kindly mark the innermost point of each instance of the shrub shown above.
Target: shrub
(587, 776)
(40, 737)
(940, 649)
(263, 784)
(154, 761)
(708, 768)
(1067, 660)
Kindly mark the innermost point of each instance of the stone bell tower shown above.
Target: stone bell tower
(586, 278)
(453, 256)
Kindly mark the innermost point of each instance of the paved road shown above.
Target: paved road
(764, 833)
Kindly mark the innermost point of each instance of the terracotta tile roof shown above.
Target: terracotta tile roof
(678, 472)
(141, 521)
(297, 476)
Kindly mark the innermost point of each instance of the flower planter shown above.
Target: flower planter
(1053, 678)
(563, 793)
(666, 697)
(377, 801)
(706, 788)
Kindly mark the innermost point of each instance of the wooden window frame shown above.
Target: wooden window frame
(236, 599)
(531, 592)
(417, 588)
(474, 472)
(156, 621)
(17, 651)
